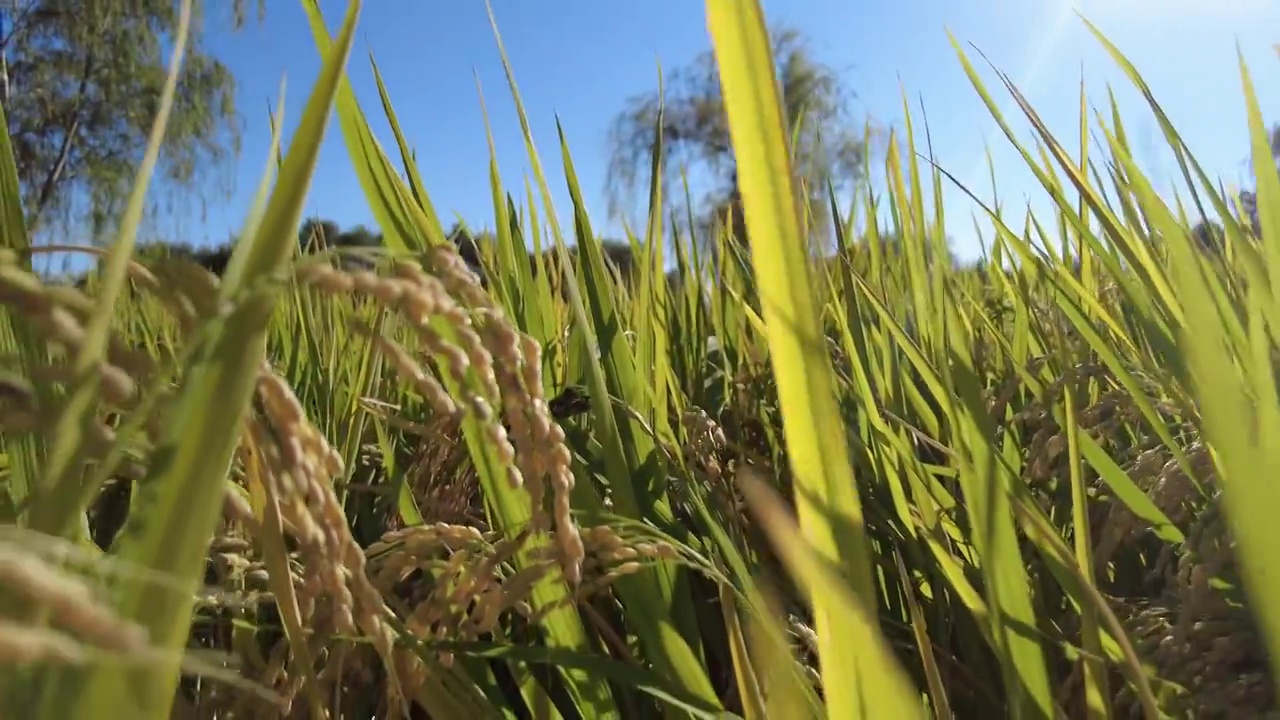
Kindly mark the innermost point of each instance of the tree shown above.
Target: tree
(1209, 237)
(471, 248)
(359, 237)
(467, 245)
(318, 234)
(695, 131)
(81, 83)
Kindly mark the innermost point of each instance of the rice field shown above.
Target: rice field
(866, 485)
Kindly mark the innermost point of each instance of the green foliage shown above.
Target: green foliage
(490, 476)
(82, 83)
(828, 145)
(314, 236)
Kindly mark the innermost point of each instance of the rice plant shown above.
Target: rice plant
(873, 484)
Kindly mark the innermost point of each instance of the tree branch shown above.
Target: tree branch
(20, 18)
(68, 139)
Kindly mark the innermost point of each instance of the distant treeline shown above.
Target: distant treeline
(325, 234)
(316, 235)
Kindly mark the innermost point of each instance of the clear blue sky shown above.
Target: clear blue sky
(582, 60)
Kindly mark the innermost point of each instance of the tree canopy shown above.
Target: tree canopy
(829, 144)
(81, 81)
